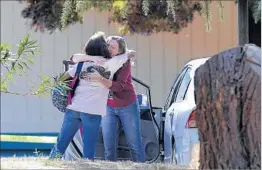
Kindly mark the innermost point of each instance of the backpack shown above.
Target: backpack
(62, 96)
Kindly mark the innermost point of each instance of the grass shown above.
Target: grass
(43, 163)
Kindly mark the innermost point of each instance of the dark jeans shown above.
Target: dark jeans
(71, 123)
(130, 119)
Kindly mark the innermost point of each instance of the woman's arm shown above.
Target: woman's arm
(106, 82)
(122, 78)
(99, 78)
(114, 86)
(83, 57)
(115, 63)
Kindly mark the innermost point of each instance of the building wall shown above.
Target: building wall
(158, 61)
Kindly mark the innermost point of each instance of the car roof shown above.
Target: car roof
(197, 62)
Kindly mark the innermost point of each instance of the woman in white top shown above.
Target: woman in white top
(89, 100)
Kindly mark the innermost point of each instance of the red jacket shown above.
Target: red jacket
(122, 91)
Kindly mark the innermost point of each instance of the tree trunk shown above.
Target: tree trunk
(228, 99)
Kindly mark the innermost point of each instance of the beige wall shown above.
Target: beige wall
(158, 60)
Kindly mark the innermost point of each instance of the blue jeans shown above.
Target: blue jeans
(130, 119)
(71, 123)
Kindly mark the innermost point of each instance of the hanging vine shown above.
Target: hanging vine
(206, 11)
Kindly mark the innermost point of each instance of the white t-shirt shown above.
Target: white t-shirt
(91, 97)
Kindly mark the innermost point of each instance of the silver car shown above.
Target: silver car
(181, 140)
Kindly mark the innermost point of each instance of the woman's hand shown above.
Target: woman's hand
(94, 77)
(131, 53)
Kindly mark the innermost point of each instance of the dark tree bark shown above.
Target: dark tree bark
(228, 99)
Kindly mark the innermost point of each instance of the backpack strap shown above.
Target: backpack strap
(79, 68)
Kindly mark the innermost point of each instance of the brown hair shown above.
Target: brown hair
(97, 46)
(121, 43)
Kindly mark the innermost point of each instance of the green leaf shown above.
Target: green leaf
(3, 86)
(20, 66)
(25, 65)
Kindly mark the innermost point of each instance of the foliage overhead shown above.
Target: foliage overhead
(153, 16)
(133, 16)
(45, 14)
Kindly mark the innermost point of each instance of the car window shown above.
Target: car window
(184, 84)
(190, 91)
(174, 89)
(171, 92)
